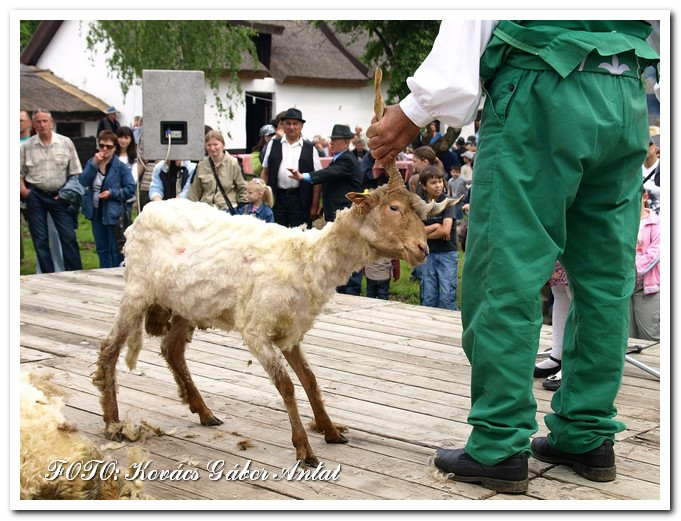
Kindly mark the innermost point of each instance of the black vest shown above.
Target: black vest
(305, 164)
(169, 178)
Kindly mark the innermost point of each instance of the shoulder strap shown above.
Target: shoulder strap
(222, 190)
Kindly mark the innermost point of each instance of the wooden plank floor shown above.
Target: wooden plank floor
(395, 374)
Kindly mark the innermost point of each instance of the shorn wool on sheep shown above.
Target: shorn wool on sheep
(190, 265)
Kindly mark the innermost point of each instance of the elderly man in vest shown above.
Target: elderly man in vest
(568, 94)
(295, 203)
(47, 162)
(341, 177)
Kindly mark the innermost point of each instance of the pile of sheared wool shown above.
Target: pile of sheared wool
(46, 437)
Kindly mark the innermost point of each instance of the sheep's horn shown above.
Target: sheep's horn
(438, 208)
(394, 176)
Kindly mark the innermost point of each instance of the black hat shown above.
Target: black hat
(341, 132)
(293, 114)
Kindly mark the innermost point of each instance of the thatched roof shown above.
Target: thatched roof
(42, 89)
(291, 51)
(304, 53)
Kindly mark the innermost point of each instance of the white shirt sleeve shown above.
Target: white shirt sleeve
(315, 160)
(446, 86)
(266, 156)
(156, 186)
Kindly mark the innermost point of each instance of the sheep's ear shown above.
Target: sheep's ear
(361, 199)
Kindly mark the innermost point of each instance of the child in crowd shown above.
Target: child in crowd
(378, 277)
(439, 277)
(644, 309)
(457, 188)
(260, 201)
(551, 367)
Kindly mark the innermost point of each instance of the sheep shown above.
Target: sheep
(190, 265)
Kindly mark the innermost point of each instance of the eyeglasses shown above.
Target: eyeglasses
(107, 147)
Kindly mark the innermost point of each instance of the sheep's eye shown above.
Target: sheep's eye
(395, 208)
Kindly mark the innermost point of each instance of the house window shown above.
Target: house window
(70, 128)
(258, 113)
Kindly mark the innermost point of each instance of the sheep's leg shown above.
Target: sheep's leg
(296, 359)
(104, 378)
(172, 348)
(276, 369)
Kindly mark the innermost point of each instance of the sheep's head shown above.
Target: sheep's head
(393, 216)
(391, 224)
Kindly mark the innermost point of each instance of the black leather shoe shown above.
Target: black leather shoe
(508, 476)
(596, 465)
(543, 373)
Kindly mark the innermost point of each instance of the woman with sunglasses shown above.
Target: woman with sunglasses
(108, 184)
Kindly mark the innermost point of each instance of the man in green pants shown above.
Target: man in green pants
(557, 176)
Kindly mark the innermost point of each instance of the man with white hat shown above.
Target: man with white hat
(109, 122)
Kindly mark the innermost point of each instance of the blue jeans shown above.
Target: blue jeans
(105, 241)
(353, 285)
(378, 288)
(439, 280)
(38, 206)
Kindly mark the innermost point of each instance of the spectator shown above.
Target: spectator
(278, 123)
(558, 109)
(434, 131)
(440, 271)
(645, 301)
(108, 184)
(471, 144)
(126, 150)
(109, 122)
(460, 148)
(136, 128)
(24, 125)
(144, 171)
(551, 367)
(267, 132)
(218, 179)
(359, 149)
(294, 203)
(448, 158)
(319, 147)
(171, 179)
(467, 168)
(47, 161)
(53, 235)
(651, 170)
(457, 188)
(260, 201)
(378, 277)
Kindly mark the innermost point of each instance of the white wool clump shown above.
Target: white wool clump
(46, 437)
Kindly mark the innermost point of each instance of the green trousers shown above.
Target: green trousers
(557, 176)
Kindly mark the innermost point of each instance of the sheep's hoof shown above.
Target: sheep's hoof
(338, 439)
(211, 422)
(311, 461)
(116, 436)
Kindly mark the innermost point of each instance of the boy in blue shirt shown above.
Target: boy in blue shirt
(439, 276)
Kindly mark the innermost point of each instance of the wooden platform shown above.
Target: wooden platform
(395, 374)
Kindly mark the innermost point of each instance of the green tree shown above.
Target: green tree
(212, 46)
(397, 46)
(26, 30)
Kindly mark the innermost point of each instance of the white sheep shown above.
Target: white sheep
(189, 265)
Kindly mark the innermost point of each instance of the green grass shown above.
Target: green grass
(407, 291)
(86, 243)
